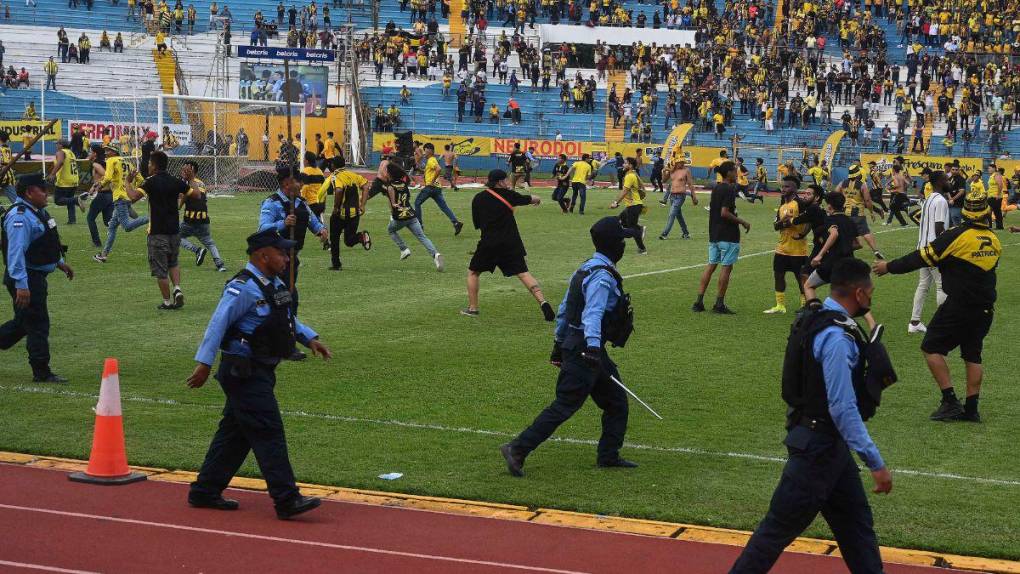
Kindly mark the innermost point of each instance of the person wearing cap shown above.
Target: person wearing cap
(831, 360)
(31, 251)
(500, 245)
(292, 220)
(858, 205)
(116, 173)
(723, 238)
(595, 311)
(433, 190)
(64, 176)
(254, 328)
(7, 180)
(967, 256)
(395, 182)
(148, 146)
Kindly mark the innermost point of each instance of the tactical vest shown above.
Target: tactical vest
(302, 215)
(617, 323)
(804, 382)
(46, 249)
(274, 337)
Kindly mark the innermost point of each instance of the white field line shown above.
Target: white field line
(693, 451)
(260, 537)
(749, 255)
(43, 567)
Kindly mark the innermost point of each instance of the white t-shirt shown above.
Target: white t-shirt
(935, 209)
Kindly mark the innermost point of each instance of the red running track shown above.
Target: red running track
(50, 524)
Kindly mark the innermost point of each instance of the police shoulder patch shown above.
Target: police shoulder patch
(233, 291)
(18, 223)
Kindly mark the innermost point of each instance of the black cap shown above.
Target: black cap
(610, 229)
(496, 176)
(26, 181)
(268, 238)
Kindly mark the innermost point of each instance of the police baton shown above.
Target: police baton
(636, 398)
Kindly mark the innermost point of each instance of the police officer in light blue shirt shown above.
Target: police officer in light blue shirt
(827, 376)
(594, 312)
(254, 329)
(31, 251)
(276, 213)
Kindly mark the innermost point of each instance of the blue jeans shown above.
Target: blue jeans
(121, 218)
(415, 227)
(676, 213)
(434, 193)
(200, 231)
(99, 204)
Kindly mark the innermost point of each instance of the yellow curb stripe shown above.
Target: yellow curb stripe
(686, 532)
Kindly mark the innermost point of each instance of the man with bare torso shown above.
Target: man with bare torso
(681, 184)
(450, 166)
(898, 200)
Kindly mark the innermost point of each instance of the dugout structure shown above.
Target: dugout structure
(235, 143)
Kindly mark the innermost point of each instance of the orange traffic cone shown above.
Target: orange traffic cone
(108, 461)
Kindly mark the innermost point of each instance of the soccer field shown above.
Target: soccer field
(416, 388)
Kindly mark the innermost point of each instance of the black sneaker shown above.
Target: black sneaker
(50, 378)
(167, 307)
(457, 227)
(973, 417)
(297, 355)
(547, 311)
(366, 240)
(325, 245)
(336, 267)
(685, 236)
(200, 256)
(723, 310)
(662, 237)
(297, 505)
(617, 463)
(514, 462)
(218, 503)
(698, 307)
(947, 411)
(178, 298)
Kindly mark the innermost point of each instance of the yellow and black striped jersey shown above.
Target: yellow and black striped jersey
(967, 256)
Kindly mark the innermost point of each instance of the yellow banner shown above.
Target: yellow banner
(468, 146)
(1010, 165)
(549, 149)
(915, 164)
(699, 156)
(828, 151)
(18, 129)
(674, 144)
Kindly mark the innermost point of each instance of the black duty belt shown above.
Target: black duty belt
(818, 424)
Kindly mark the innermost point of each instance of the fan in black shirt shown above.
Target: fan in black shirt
(492, 212)
(723, 237)
(840, 242)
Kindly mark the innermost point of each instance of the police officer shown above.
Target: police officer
(277, 213)
(832, 380)
(594, 312)
(255, 329)
(31, 251)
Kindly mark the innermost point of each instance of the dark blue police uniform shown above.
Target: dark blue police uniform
(820, 474)
(252, 328)
(595, 294)
(31, 251)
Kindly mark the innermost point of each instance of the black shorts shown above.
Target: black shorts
(792, 263)
(486, 260)
(958, 326)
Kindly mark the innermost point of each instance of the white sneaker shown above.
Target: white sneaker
(918, 328)
(404, 254)
(440, 264)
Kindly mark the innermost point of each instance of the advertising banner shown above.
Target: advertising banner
(95, 130)
(274, 53)
(828, 151)
(465, 146)
(267, 82)
(549, 149)
(916, 163)
(674, 142)
(18, 129)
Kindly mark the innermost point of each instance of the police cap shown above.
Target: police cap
(609, 229)
(495, 176)
(268, 238)
(30, 180)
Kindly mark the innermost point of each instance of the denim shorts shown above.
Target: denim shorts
(723, 252)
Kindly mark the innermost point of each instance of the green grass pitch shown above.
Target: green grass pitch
(416, 388)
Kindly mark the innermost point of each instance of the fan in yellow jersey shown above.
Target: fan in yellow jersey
(433, 191)
(312, 179)
(967, 256)
(997, 186)
(858, 205)
(579, 175)
(330, 152)
(820, 174)
(64, 177)
(7, 180)
(350, 192)
(632, 197)
(117, 171)
(792, 249)
(713, 166)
